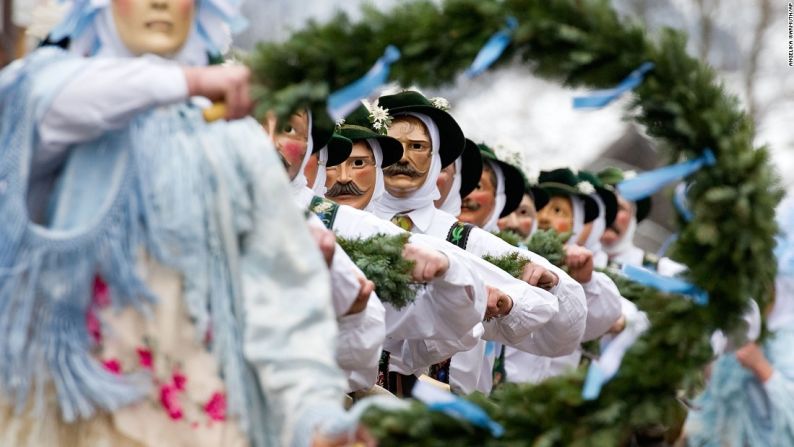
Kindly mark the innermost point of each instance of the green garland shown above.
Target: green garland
(512, 263)
(580, 43)
(380, 258)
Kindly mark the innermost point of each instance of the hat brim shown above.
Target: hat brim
(643, 208)
(540, 198)
(561, 189)
(514, 187)
(452, 139)
(471, 168)
(339, 149)
(392, 150)
(610, 204)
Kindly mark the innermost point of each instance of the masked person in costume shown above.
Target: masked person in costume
(569, 209)
(748, 400)
(618, 238)
(219, 326)
(524, 220)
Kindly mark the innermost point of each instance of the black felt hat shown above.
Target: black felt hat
(563, 182)
(357, 126)
(538, 195)
(471, 168)
(612, 176)
(452, 139)
(339, 149)
(514, 180)
(605, 192)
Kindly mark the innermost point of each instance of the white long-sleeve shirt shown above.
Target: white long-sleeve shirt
(563, 332)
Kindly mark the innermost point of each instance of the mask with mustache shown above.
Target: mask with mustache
(344, 189)
(402, 168)
(471, 205)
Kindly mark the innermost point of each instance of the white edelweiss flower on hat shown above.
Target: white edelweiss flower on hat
(585, 187)
(379, 117)
(440, 103)
(339, 124)
(532, 176)
(629, 174)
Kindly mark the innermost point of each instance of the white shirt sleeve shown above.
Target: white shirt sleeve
(361, 338)
(106, 95)
(562, 334)
(604, 306)
(415, 356)
(445, 309)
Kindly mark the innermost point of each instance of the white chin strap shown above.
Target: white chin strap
(453, 200)
(499, 200)
(577, 205)
(319, 179)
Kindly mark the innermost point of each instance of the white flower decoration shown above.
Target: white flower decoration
(629, 174)
(440, 103)
(532, 177)
(379, 117)
(339, 124)
(585, 187)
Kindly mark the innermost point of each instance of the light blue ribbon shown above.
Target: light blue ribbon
(437, 399)
(680, 202)
(346, 99)
(493, 49)
(601, 98)
(462, 409)
(665, 284)
(649, 183)
(593, 382)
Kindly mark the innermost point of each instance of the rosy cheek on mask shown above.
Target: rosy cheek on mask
(562, 227)
(293, 152)
(186, 7)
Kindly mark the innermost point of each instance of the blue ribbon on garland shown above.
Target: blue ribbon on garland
(665, 284)
(346, 99)
(601, 98)
(493, 49)
(680, 202)
(649, 183)
(439, 400)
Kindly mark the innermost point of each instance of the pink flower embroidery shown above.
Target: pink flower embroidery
(113, 366)
(101, 292)
(216, 407)
(179, 380)
(94, 326)
(169, 397)
(145, 357)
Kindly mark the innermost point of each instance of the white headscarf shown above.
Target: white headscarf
(623, 250)
(500, 199)
(593, 242)
(380, 187)
(389, 205)
(319, 180)
(452, 202)
(299, 183)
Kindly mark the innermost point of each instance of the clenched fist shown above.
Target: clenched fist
(579, 261)
(499, 303)
(536, 275)
(367, 287)
(428, 264)
(223, 83)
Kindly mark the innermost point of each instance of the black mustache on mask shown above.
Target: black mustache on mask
(471, 205)
(401, 168)
(344, 189)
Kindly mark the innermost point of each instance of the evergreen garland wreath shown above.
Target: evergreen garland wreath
(580, 43)
(380, 258)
